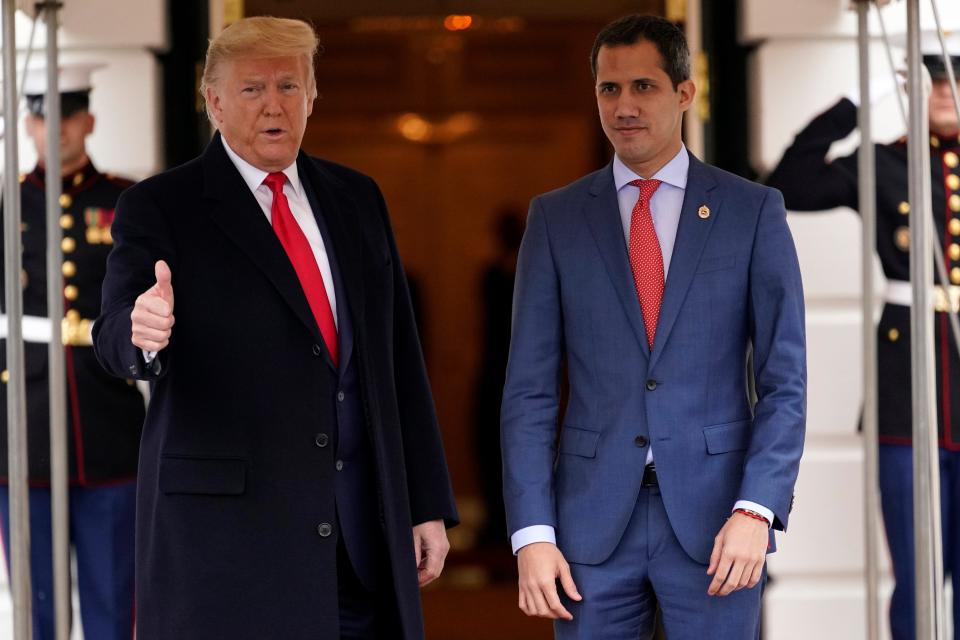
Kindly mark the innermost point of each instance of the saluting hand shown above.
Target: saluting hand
(152, 316)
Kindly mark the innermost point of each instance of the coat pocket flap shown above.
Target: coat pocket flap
(730, 436)
(204, 476)
(579, 442)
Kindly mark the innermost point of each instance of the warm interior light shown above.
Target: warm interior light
(457, 23)
(413, 127)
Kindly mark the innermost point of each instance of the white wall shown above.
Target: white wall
(805, 60)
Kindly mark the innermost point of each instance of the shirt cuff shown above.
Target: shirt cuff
(753, 506)
(534, 533)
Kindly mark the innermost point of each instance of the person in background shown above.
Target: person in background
(811, 182)
(104, 414)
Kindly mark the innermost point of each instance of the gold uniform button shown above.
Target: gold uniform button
(954, 202)
(953, 182)
(66, 201)
(954, 251)
(73, 315)
(68, 245)
(904, 208)
(78, 179)
(934, 141)
(23, 178)
(901, 238)
(66, 221)
(955, 275)
(70, 268)
(5, 376)
(893, 335)
(951, 159)
(70, 292)
(954, 227)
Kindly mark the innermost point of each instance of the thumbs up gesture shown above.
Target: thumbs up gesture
(152, 316)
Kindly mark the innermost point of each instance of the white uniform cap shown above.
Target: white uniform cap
(72, 77)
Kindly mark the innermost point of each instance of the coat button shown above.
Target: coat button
(316, 350)
(324, 529)
(339, 465)
(640, 441)
(651, 384)
(341, 396)
(322, 440)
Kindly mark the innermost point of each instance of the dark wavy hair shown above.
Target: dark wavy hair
(665, 36)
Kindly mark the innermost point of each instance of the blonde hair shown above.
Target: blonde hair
(260, 37)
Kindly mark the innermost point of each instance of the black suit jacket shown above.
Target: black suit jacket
(234, 487)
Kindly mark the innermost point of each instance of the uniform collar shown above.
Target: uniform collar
(71, 182)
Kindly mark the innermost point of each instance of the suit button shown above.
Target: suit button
(340, 396)
(322, 439)
(324, 530)
(316, 350)
(640, 441)
(339, 465)
(651, 384)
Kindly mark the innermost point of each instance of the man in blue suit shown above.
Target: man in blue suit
(652, 279)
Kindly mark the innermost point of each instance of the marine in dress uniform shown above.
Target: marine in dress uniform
(104, 414)
(810, 183)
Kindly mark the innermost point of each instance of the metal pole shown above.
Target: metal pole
(55, 355)
(16, 396)
(926, 469)
(868, 215)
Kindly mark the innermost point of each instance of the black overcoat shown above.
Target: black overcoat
(233, 486)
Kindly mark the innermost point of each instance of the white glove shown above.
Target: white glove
(881, 87)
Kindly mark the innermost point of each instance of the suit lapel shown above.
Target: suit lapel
(239, 216)
(336, 217)
(602, 212)
(692, 234)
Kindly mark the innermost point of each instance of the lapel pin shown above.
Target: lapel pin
(704, 212)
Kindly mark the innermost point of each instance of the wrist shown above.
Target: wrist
(749, 513)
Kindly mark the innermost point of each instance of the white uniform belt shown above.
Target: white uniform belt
(75, 332)
(944, 298)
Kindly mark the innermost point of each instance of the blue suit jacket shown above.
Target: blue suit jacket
(734, 282)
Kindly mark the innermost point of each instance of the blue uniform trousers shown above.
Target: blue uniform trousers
(648, 566)
(896, 497)
(102, 534)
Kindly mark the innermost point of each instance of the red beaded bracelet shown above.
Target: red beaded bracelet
(753, 514)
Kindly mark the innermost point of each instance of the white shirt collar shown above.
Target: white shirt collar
(673, 173)
(253, 176)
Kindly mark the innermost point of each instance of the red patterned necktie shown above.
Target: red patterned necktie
(646, 258)
(304, 263)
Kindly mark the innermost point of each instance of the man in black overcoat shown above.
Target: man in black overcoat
(292, 476)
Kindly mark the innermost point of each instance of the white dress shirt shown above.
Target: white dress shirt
(665, 207)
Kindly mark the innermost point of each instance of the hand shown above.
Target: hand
(152, 316)
(739, 551)
(539, 565)
(431, 547)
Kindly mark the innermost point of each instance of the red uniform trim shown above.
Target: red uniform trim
(75, 406)
(947, 438)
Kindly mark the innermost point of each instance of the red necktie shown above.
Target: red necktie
(304, 263)
(646, 258)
